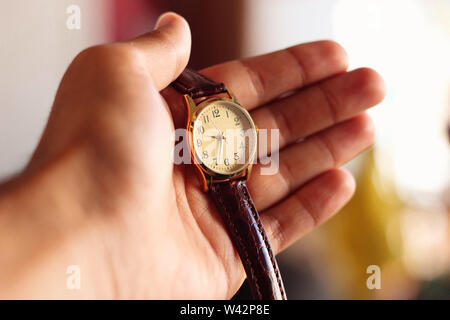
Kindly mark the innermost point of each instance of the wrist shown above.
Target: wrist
(47, 229)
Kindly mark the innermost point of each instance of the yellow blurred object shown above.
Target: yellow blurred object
(366, 232)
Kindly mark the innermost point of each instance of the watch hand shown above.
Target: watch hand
(215, 137)
(220, 150)
(220, 132)
(217, 151)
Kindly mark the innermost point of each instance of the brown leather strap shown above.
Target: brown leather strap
(245, 228)
(197, 85)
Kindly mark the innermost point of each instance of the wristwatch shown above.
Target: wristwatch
(223, 143)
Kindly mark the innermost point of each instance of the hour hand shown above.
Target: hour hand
(218, 137)
(214, 124)
(215, 137)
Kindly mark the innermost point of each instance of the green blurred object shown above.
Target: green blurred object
(437, 289)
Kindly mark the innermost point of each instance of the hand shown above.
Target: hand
(101, 191)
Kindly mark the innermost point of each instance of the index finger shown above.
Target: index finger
(260, 79)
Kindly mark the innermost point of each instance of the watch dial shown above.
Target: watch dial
(224, 137)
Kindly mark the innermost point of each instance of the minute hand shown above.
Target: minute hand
(219, 157)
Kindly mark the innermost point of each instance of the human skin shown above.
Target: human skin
(101, 190)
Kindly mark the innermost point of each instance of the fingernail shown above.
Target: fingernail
(165, 19)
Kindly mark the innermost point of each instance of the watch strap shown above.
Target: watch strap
(244, 226)
(197, 85)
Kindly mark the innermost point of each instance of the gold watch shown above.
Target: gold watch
(223, 143)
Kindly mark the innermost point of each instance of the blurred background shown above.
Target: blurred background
(399, 218)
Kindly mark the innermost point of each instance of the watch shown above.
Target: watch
(223, 143)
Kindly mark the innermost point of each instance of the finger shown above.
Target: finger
(166, 49)
(260, 79)
(307, 208)
(321, 105)
(303, 161)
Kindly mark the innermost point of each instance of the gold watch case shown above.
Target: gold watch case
(207, 175)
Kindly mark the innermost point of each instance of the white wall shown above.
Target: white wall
(275, 24)
(35, 49)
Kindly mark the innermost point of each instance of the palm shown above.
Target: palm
(204, 248)
(304, 192)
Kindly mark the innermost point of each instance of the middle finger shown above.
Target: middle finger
(321, 105)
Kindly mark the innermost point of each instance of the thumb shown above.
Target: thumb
(166, 49)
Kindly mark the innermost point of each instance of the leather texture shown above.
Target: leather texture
(197, 85)
(237, 210)
(236, 207)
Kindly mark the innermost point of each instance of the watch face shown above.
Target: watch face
(224, 137)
